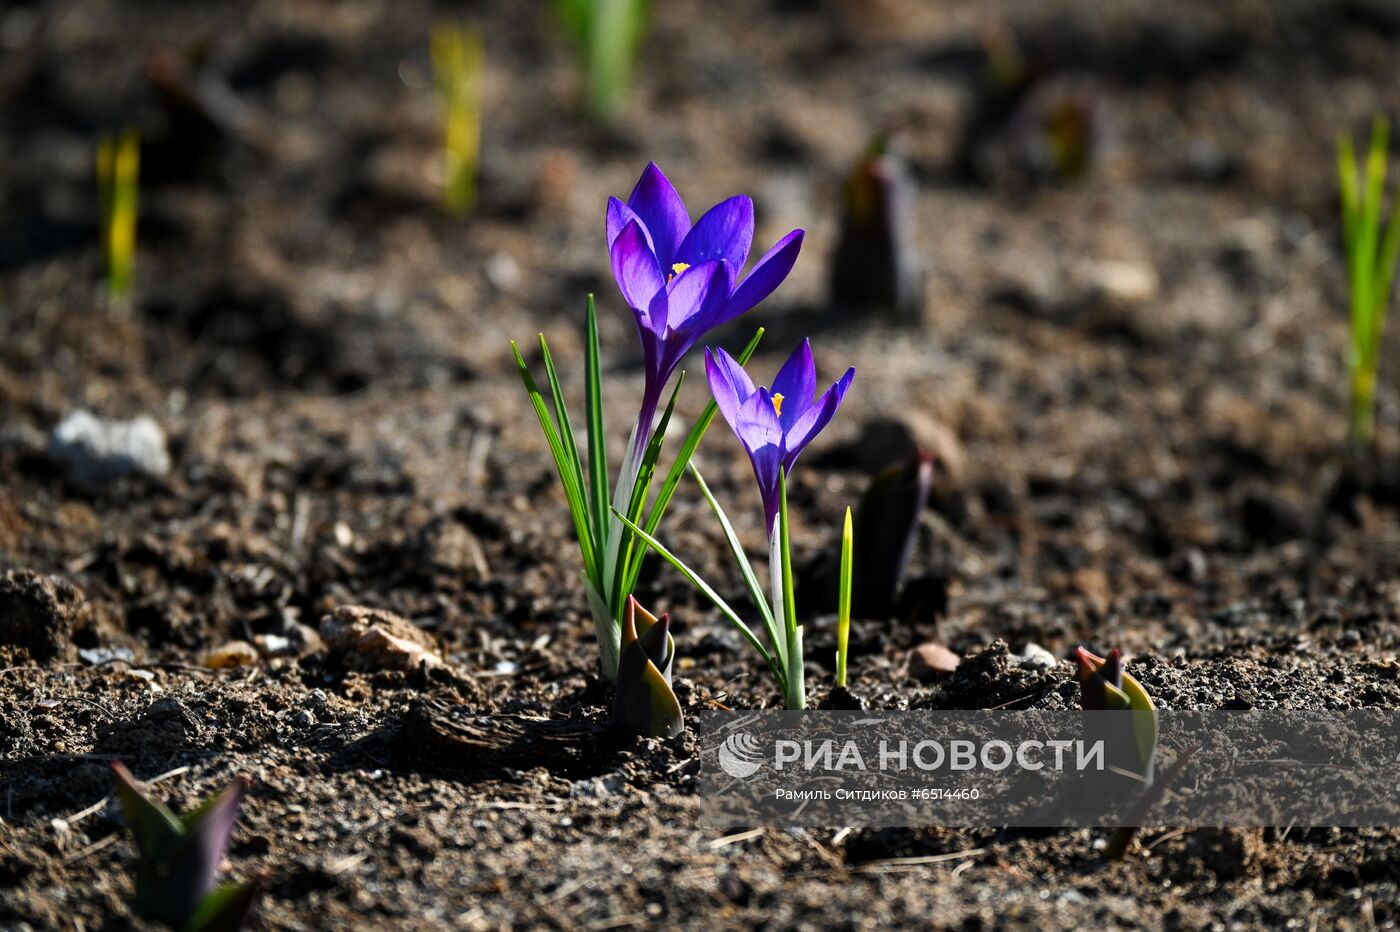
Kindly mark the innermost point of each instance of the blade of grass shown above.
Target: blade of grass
(597, 442)
(1347, 184)
(578, 509)
(843, 601)
(745, 568)
(566, 427)
(707, 592)
(1385, 278)
(1368, 236)
(1383, 268)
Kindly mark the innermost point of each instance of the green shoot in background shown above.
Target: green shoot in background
(843, 602)
(459, 58)
(1371, 256)
(118, 184)
(608, 34)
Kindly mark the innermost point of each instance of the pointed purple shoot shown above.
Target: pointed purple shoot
(682, 281)
(886, 525)
(774, 425)
(876, 265)
(1104, 685)
(1100, 680)
(645, 705)
(178, 859)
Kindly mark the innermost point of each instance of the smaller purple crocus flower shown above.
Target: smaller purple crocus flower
(683, 280)
(774, 425)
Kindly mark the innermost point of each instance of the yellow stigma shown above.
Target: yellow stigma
(778, 404)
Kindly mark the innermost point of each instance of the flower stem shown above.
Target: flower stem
(605, 616)
(796, 693)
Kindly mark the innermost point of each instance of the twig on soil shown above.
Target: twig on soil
(92, 849)
(6, 845)
(1011, 702)
(1164, 837)
(565, 889)
(101, 803)
(899, 865)
(92, 702)
(832, 859)
(617, 922)
(553, 806)
(736, 838)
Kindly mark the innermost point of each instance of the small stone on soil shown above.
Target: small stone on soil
(930, 661)
(95, 450)
(232, 654)
(1036, 657)
(376, 639)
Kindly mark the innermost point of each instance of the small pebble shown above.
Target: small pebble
(273, 645)
(1036, 657)
(95, 450)
(932, 660)
(502, 271)
(97, 655)
(232, 654)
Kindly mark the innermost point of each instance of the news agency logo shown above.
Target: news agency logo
(740, 755)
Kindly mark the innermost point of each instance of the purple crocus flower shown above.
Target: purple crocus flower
(681, 281)
(774, 425)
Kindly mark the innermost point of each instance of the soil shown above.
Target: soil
(1135, 382)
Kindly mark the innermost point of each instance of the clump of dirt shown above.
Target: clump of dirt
(37, 616)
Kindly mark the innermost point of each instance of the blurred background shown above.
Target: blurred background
(260, 266)
(1087, 257)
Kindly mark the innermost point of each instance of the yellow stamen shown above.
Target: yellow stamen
(778, 404)
(679, 267)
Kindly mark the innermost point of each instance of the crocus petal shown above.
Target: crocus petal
(662, 211)
(762, 436)
(635, 268)
(757, 423)
(691, 310)
(725, 232)
(814, 419)
(796, 382)
(619, 215)
(764, 277)
(729, 383)
(695, 294)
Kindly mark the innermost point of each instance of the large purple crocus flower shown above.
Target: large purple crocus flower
(774, 425)
(681, 281)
